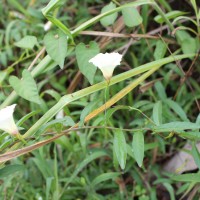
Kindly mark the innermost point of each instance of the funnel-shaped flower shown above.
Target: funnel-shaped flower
(7, 122)
(106, 63)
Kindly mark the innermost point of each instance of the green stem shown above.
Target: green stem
(89, 90)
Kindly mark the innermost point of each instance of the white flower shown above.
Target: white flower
(7, 122)
(106, 63)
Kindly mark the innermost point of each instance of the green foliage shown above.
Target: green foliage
(131, 17)
(83, 55)
(160, 50)
(27, 42)
(188, 43)
(108, 20)
(56, 45)
(119, 147)
(138, 147)
(26, 88)
(149, 112)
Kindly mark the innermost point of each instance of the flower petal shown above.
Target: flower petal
(106, 63)
(7, 122)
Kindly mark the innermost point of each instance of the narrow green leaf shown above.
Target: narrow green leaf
(26, 88)
(120, 148)
(27, 42)
(177, 109)
(157, 113)
(110, 19)
(104, 177)
(83, 55)
(160, 50)
(160, 90)
(131, 17)
(176, 126)
(26, 117)
(195, 154)
(170, 15)
(138, 147)
(192, 177)
(56, 45)
(190, 135)
(10, 169)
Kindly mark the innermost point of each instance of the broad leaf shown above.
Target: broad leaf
(28, 42)
(138, 147)
(160, 50)
(131, 17)
(120, 148)
(110, 19)
(26, 88)
(83, 55)
(188, 44)
(56, 46)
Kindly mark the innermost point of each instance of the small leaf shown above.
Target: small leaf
(83, 55)
(160, 90)
(160, 50)
(28, 42)
(188, 44)
(138, 147)
(56, 46)
(170, 15)
(110, 19)
(26, 88)
(131, 17)
(120, 148)
(157, 113)
(104, 177)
